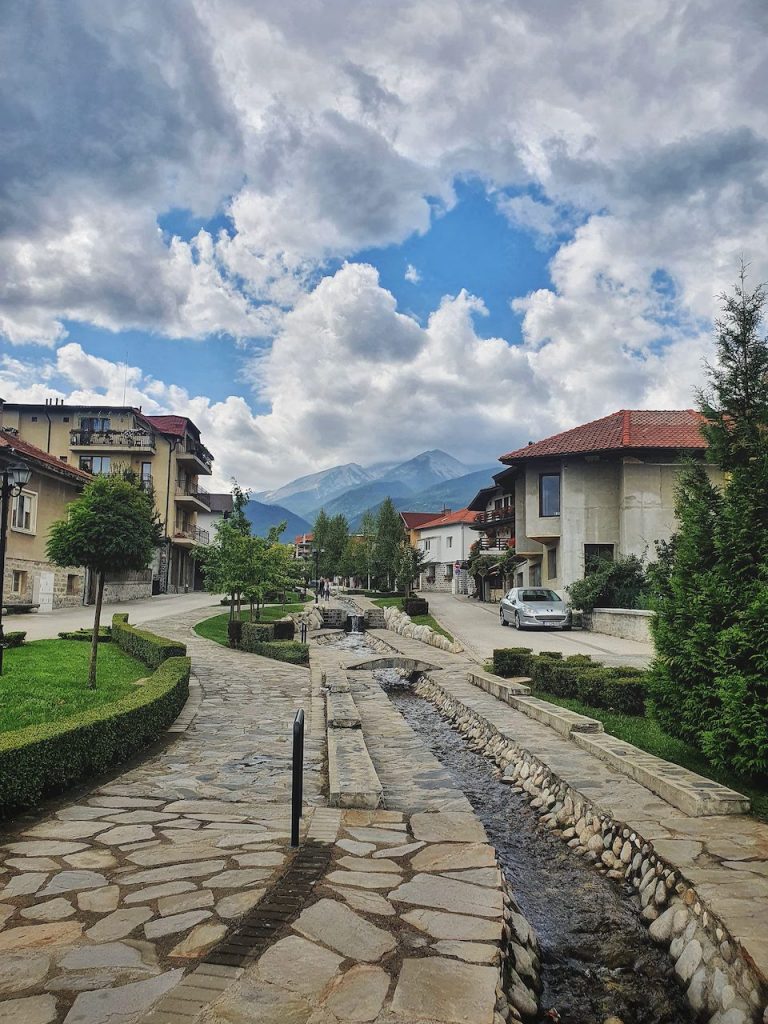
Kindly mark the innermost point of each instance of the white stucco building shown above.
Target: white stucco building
(445, 542)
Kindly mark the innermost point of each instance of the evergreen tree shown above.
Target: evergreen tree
(389, 537)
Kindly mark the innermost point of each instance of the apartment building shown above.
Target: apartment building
(165, 453)
(303, 544)
(445, 542)
(31, 580)
(605, 489)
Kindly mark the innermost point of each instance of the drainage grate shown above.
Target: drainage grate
(267, 921)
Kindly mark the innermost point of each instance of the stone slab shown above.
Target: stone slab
(298, 965)
(359, 994)
(123, 1004)
(352, 779)
(341, 712)
(449, 895)
(448, 827)
(341, 929)
(454, 857)
(436, 988)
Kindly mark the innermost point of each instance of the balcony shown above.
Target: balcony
(497, 544)
(196, 456)
(138, 440)
(191, 536)
(495, 517)
(192, 496)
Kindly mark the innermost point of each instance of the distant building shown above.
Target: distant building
(30, 578)
(302, 545)
(413, 521)
(445, 542)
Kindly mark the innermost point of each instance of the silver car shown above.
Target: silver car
(534, 606)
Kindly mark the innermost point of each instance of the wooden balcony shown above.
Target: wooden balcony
(494, 517)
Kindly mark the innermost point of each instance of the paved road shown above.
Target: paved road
(41, 627)
(477, 626)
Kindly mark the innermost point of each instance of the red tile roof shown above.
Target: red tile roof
(30, 453)
(622, 430)
(304, 538)
(413, 520)
(175, 425)
(450, 519)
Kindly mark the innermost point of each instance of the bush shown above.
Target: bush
(284, 629)
(611, 584)
(255, 633)
(235, 632)
(15, 639)
(284, 650)
(46, 758)
(153, 650)
(415, 606)
(555, 676)
(615, 689)
(105, 635)
(513, 661)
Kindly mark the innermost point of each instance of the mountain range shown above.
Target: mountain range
(428, 482)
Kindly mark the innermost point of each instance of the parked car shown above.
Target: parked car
(534, 607)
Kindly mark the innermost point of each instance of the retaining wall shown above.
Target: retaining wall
(627, 623)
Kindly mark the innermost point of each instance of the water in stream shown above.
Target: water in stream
(597, 958)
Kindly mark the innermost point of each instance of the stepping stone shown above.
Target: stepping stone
(351, 846)
(44, 848)
(33, 936)
(266, 859)
(376, 835)
(32, 864)
(298, 965)
(123, 801)
(107, 954)
(366, 902)
(477, 876)
(453, 926)
(447, 827)
(178, 923)
(6, 911)
(168, 905)
(448, 894)
(446, 990)
(153, 892)
(23, 885)
(199, 940)
(473, 952)
(364, 879)
(139, 817)
(52, 910)
(33, 1010)
(399, 851)
(126, 1003)
(172, 871)
(238, 878)
(361, 864)
(454, 857)
(118, 925)
(359, 994)
(157, 856)
(91, 859)
(123, 834)
(70, 881)
(238, 904)
(340, 928)
(66, 829)
(80, 813)
(99, 901)
(20, 971)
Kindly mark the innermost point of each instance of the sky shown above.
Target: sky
(348, 231)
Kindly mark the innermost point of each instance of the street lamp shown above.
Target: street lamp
(14, 477)
(317, 552)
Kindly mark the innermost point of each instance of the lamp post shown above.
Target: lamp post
(14, 477)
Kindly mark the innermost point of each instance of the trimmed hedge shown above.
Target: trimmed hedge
(513, 661)
(235, 632)
(15, 639)
(153, 650)
(285, 629)
(105, 635)
(256, 633)
(43, 759)
(415, 606)
(284, 650)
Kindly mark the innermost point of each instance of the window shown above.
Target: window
(34, 419)
(449, 542)
(594, 554)
(498, 503)
(19, 584)
(427, 545)
(519, 580)
(146, 471)
(449, 571)
(549, 494)
(97, 464)
(73, 583)
(534, 575)
(96, 424)
(24, 512)
(65, 419)
(551, 563)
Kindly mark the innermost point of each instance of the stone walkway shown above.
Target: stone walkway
(106, 902)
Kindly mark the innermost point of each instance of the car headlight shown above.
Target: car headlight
(528, 610)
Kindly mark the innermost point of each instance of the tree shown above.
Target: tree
(408, 564)
(111, 527)
(368, 542)
(389, 537)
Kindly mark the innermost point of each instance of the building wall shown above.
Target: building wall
(63, 580)
(589, 497)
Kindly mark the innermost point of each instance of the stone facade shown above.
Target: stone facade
(67, 583)
(129, 586)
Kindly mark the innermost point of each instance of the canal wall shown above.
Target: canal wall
(720, 979)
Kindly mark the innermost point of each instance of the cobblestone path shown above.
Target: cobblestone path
(105, 903)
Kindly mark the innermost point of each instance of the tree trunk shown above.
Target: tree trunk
(232, 606)
(95, 638)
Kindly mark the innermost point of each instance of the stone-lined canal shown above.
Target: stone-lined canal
(597, 959)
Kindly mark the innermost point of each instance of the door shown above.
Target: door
(42, 591)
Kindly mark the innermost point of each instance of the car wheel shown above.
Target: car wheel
(517, 621)
(502, 620)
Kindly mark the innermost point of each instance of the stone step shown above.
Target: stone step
(352, 779)
(341, 711)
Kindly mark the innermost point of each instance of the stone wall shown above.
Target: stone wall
(628, 623)
(129, 586)
(33, 569)
(720, 982)
(442, 581)
(402, 624)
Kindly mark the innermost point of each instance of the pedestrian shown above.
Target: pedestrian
(327, 590)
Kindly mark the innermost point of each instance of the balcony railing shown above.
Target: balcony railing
(498, 544)
(199, 451)
(194, 491)
(193, 533)
(112, 439)
(495, 515)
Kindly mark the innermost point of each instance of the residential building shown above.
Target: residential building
(302, 545)
(219, 508)
(413, 521)
(165, 453)
(30, 578)
(445, 542)
(604, 489)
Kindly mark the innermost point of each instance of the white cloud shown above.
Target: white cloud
(412, 274)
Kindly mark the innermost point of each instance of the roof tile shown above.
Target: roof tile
(32, 453)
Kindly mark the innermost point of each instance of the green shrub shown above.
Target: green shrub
(253, 633)
(555, 676)
(611, 584)
(611, 688)
(415, 606)
(235, 632)
(513, 661)
(153, 650)
(105, 635)
(46, 758)
(15, 639)
(283, 650)
(284, 629)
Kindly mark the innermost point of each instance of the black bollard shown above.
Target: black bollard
(297, 787)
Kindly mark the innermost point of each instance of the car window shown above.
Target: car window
(539, 595)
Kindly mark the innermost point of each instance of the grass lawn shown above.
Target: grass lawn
(418, 620)
(215, 628)
(648, 735)
(46, 680)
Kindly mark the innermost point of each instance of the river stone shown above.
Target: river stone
(172, 871)
(122, 834)
(335, 925)
(446, 990)
(239, 903)
(71, 881)
(99, 901)
(688, 961)
(32, 1010)
(359, 994)
(447, 827)
(473, 952)
(448, 894)
(238, 878)
(364, 901)
(661, 929)
(199, 940)
(185, 901)
(44, 848)
(364, 879)
(453, 926)
(33, 936)
(298, 965)
(477, 876)
(454, 857)
(91, 859)
(178, 923)
(121, 1005)
(153, 892)
(23, 885)
(361, 864)
(399, 851)
(51, 910)
(118, 925)
(20, 971)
